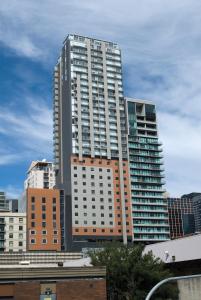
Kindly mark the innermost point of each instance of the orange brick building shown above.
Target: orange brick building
(43, 219)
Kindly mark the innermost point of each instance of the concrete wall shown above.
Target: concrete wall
(190, 289)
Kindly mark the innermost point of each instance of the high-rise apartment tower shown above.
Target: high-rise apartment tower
(90, 142)
(149, 207)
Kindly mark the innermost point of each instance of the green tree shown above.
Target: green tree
(131, 275)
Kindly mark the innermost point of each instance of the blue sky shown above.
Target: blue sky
(160, 41)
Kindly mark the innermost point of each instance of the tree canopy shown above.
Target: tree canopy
(131, 275)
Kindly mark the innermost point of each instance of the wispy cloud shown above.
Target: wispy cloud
(160, 43)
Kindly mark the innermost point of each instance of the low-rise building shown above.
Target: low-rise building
(43, 219)
(12, 232)
(40, 175)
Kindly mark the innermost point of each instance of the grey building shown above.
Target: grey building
(197, 212)
(90, 142)
(4, 204)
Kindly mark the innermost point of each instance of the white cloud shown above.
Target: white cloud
(161, 43)
(12, 192)
(29, 131)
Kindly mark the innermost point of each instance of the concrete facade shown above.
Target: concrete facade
(41, 175)
(13, 234)
(89, 123)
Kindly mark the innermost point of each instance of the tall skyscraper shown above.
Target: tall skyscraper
(149, 207)
(90, 142)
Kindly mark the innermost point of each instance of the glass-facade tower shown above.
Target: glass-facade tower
(149, 207)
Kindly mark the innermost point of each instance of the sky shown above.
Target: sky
(161, 55)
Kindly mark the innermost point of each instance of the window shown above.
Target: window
(75, 168)
(76, 230)
(75, 198)
(11, 220)
(84, 199)
(43, 200)
(100, 170)
(101, 199)
(110, 200)
(93, 191)
(55, 232)
(10, 227)
(44, 232)
(110, 207)
(108, 170)
(94, 222)
(33, 216)
(85, 214)
(44, 241)
(108, 177)
(102, 215)
(10, 235)
(43, 224)
(109, 185)
(119, 223)
(33, 207)
(43, 208)
(101, 192)
(92, 169)
(93, 184)
(85, 230)
(83, 175)
(32, 199)
(75, 175)
(54, 217)
(76, 206)
(43, 216)
(93, 206)
(54, 208)
(100, 177)
(32, 224)
(83, 168)
(55, 241)
(103, 230)
(20, 244)
(20, 235)
(109, 192)
(94, 230)
(101, 207)
(84, 191)
(111, 223)
(93, 199)
(33, 232)
(116, 178)
(110, 215)
(85, 222)
(76, 214)
(75, 190)
(111, 230)
(10, 243)
(33, 241)
(118, 207)
(84, 206)
(102, 223)
(54, 200)
(20, 227)
(84, 183)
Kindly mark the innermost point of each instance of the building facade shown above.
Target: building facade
(90, 142)
(43, 219)
(181, 217)
(41, 175)
(12, 232)
(4, 205)
(149, 207)
(197, 212)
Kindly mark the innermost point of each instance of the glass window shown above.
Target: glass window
(21, 228)
(44, 241)
(11, 220)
